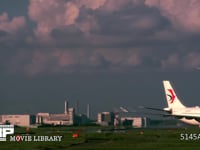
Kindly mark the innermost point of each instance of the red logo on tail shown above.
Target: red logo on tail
(172, 96)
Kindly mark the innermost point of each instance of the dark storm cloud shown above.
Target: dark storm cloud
(3, 34)
(131, 21)
(62, 35)
(104, 52)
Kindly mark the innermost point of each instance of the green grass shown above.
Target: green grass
(136, 139)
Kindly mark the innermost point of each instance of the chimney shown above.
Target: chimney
(66, 107)
(88, 111)
(77, 107)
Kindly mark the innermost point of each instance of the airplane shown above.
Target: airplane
(188, 115)
(123, 109)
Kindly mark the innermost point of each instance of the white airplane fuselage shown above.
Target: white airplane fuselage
(189, 115)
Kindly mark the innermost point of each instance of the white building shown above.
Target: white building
(67, 118)
(136, 122)
(23, 120)
(105, 118)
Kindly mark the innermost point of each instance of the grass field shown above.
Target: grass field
(135, 139)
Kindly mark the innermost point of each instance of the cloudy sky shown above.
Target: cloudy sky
(104, 52)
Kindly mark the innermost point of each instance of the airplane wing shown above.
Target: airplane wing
(123, 109)
(156, 109)
(188, 116)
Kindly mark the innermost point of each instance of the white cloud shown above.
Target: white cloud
(92, 4)
(66, 60)
(190, 61)
(52, 14)
(107, 34)
(184, 14)
(11, 25)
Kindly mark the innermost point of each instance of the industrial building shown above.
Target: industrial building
(66, 118)
(113, 118)
(105, 118)
(22, 120)
(136, 122)
(69, 117)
